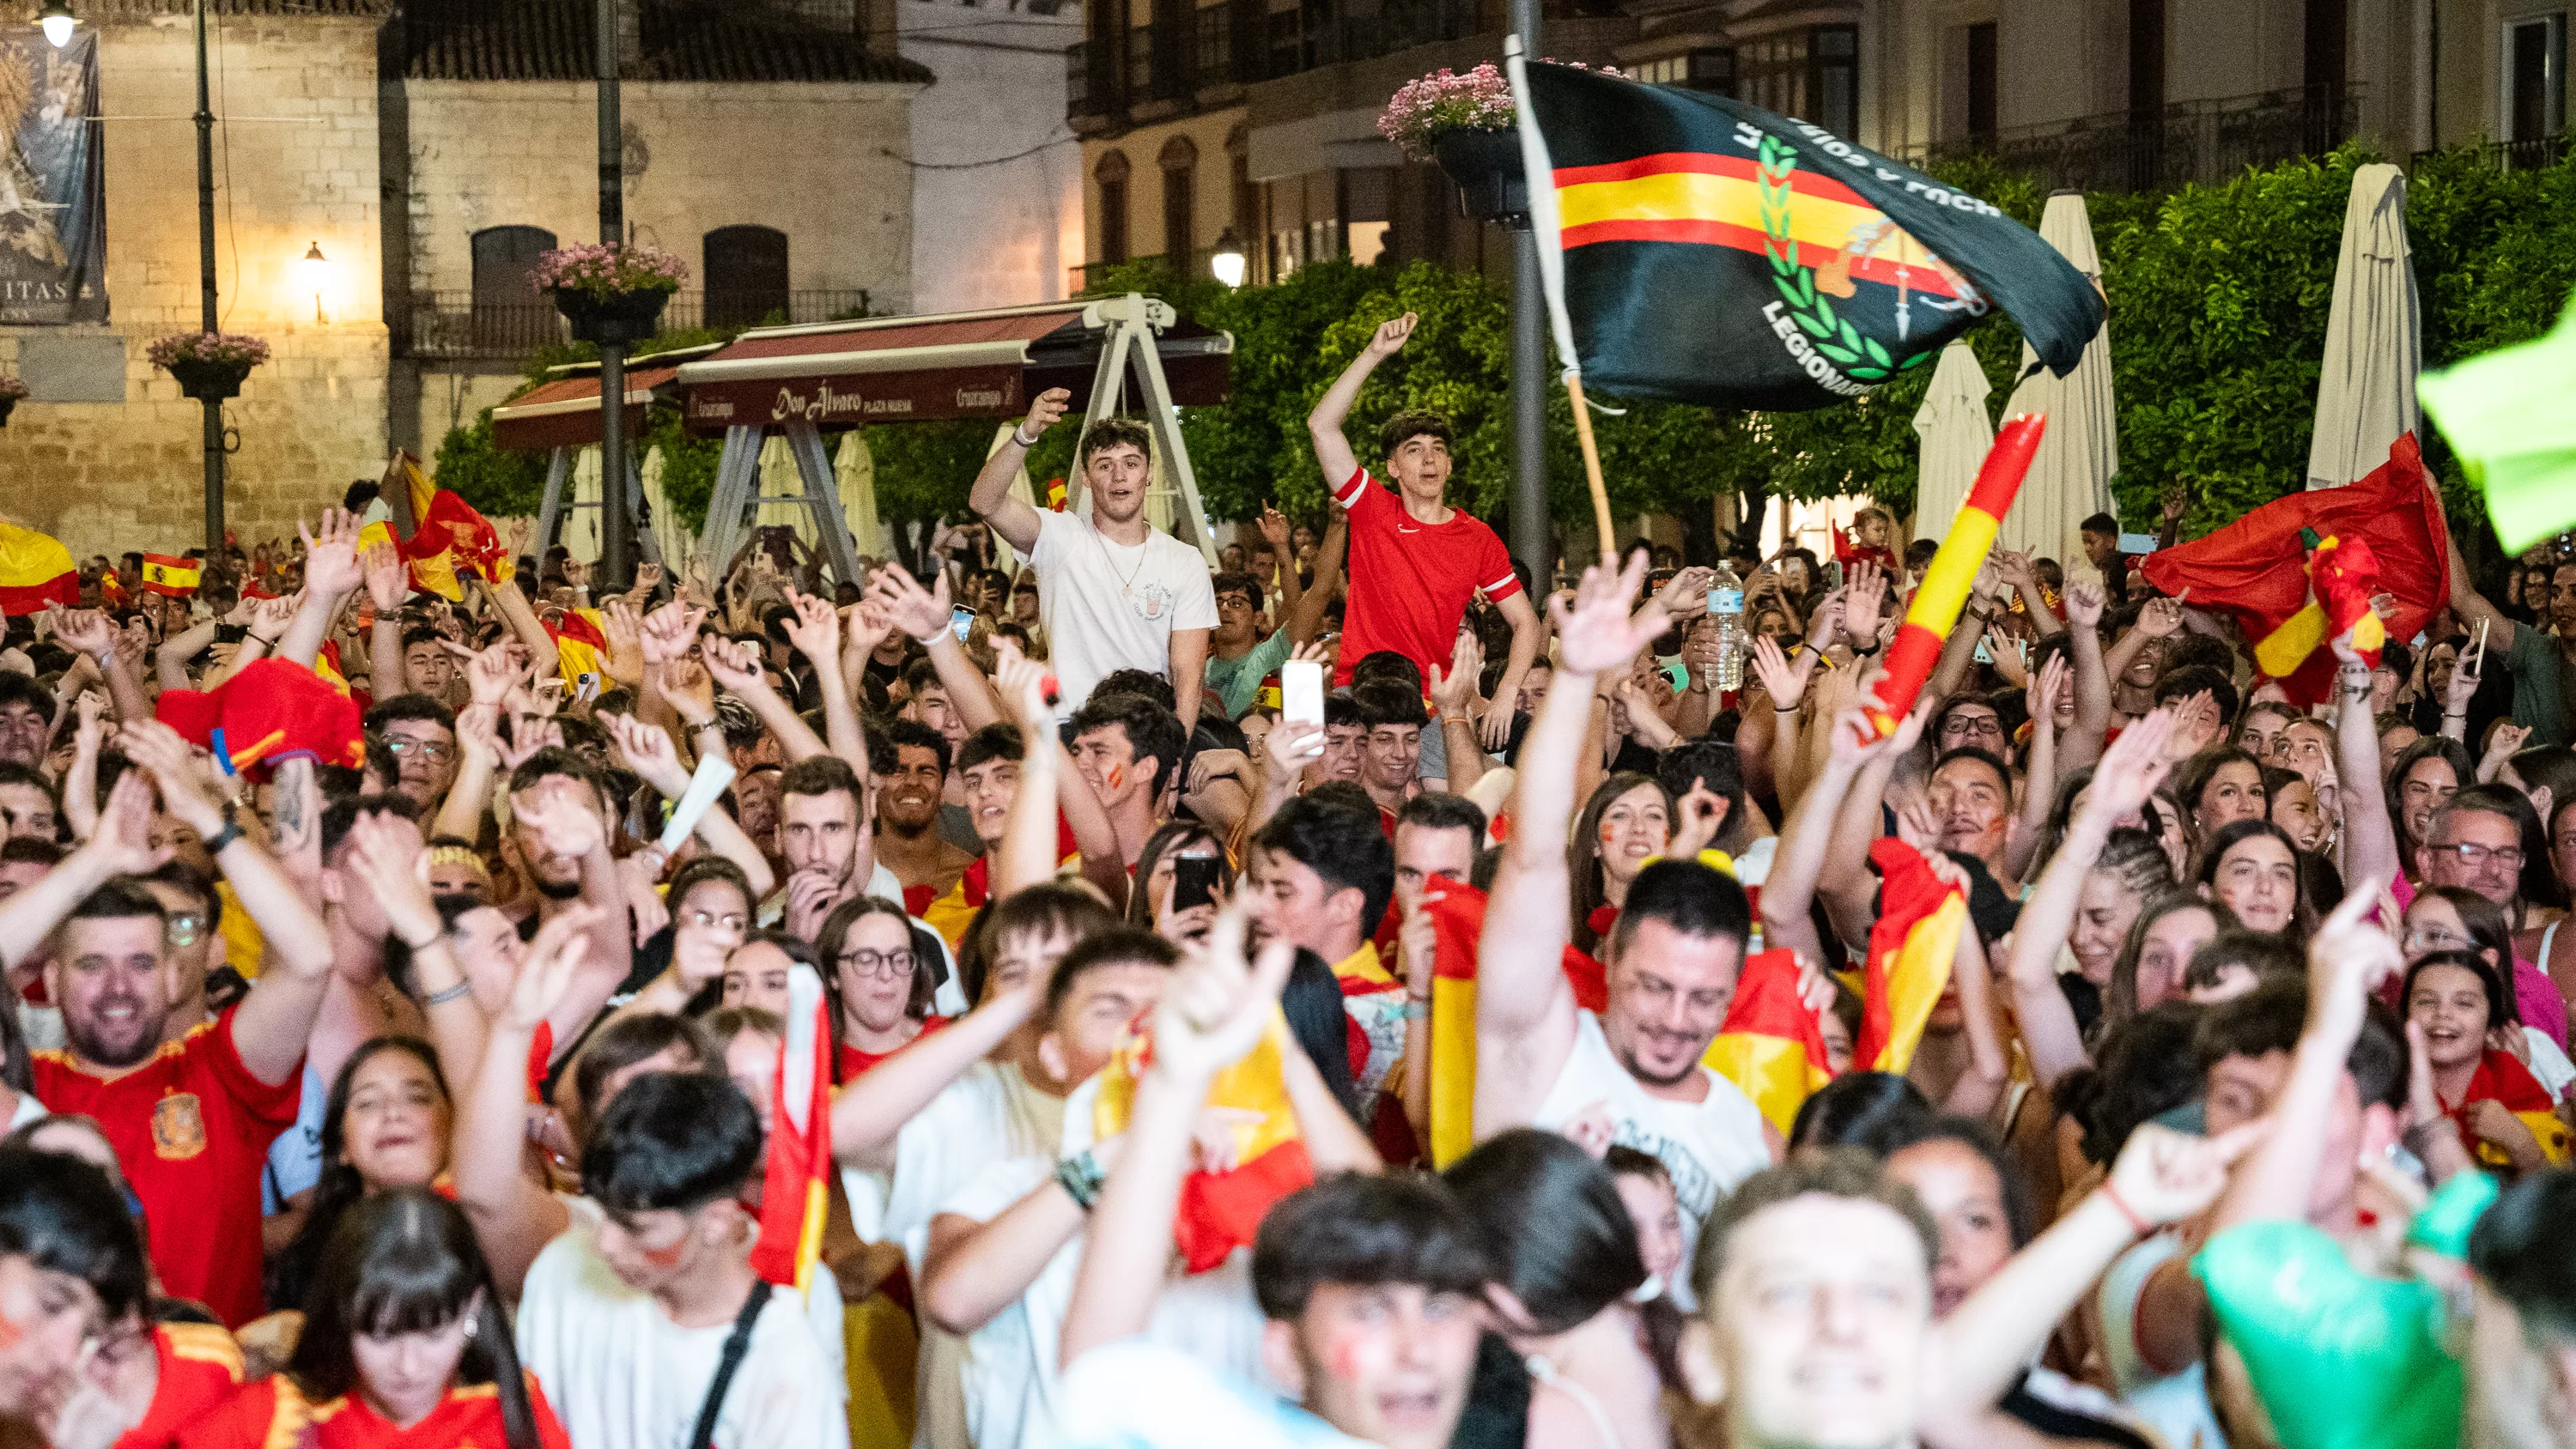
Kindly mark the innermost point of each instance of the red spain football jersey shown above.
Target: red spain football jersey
(191, 1126)
(201, 1367)
(272, 1412)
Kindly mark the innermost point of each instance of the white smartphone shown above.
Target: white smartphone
(1301, 692)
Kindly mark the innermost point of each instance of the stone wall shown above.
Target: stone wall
(997, 184)
(295, 165)
(822, 163)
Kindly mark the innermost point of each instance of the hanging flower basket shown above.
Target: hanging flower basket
(1492, 185)
(210, 366)
(612, 294)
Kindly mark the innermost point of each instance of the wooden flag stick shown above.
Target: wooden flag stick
(1592, 471)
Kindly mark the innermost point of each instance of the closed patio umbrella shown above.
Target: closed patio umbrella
(2070, 478)
(1956, 433)
(2374, 336)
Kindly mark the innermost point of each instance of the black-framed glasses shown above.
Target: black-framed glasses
(869, 962)
(2473, 855)
(426, 749)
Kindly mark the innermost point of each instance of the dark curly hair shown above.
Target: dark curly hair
(1415, 423)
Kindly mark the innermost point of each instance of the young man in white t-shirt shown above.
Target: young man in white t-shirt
(628, 1316)
(1116, 593)
(1631, 1075)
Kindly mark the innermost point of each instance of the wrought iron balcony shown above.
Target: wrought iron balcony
(2195, 142)
(459, 326)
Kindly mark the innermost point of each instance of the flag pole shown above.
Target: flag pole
(1592, 468)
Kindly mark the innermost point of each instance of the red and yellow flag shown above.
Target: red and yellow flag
(163, 574)
(2502, 1076)
(1946, 583)
(1910, 950)
(580, 647)
(36, 572)
(1771, 1045)
(795, 1185)
(1055, 494)
(1221, 1211)
(1457, 912)
(436, 532)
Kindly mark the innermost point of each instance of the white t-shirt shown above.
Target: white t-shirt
(1111, 606)
(621, 1375)
(1139, 1395)
(2176, 1406)
(1708, 1146)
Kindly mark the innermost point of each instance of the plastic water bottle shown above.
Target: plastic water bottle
(1726, 605)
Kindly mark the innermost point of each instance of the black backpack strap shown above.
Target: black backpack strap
(737, 1347)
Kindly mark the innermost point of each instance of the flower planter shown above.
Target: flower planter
(1492, 186)
(619, 317)
(210, 379)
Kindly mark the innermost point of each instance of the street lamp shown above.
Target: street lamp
(314, 272)
(1228, 260)
(58, 20)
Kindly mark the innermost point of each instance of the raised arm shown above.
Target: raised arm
(170, 661)
(272, 1023)
(2369, 836)
(1012, 517)
(513, 1217)
(900, 602)
(1308, 617)
(815, 632)
(647, 750)
(2082, 744)
(91, 633)
(331, 575)
(120, 845)
(1453, 695)
(1324, 424)
(546, 661)
(2039, 787)
(2023, 577)
(736, 665)
(1526, 635)
(388, 583)
(397, 875)
(1525, 1011)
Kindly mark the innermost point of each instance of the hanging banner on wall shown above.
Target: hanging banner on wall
(53, 243)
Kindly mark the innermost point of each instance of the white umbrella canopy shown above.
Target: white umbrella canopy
(2374, 336)
(1956, 433)
(2070, 477)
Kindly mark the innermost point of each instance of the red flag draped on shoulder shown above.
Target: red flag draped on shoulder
(795, 1184)
(1221, 1211)
(36, 571)
(1910, 949)
(1771, 1046)
(2258, 567)
(1457, 911)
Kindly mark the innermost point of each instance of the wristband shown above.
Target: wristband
(1416, 1009)
(1081, 1178)
(2137, 1225)
(253, 634)
(231, 832)
(453, 993)
(1024, 442)
(1784, 709)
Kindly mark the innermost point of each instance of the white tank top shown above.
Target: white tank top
(1708, 1146)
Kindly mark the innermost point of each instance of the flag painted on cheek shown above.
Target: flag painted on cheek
(1910, 951)
(1771, 1047)
(1714, 252)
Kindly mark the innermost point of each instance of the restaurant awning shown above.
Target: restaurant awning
(564, 412)
(926, 369)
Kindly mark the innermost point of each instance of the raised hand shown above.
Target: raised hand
(1453, 690)
(2016, 569)
(1685, 594)
(2131, 768)
(2348, 959)
(478, 731)
(2046, 687)
(2160, 618)
(331, 554)
(529, 733)
(123, 838)
(734, 663)
(864, 626)
(84, 631)
(1696, 822)
(1024, 683)
(815, 629)
(1045, 411)
(1389, 337)
(396, 875)
(919, 612)
(489, 675)
(576, 574)
(2084, 603)
(1864, 599)
(1293, 746)
(547, 967)
(1218, 1005)
(1275, 530)
(2163, 1176)
(691, 693)
(648, 577)
(269, 617)
(1597, 633)
(646, 749)
(2463, 686)
(565, 825)
(624, 631)
(669, 631)
(184, 793)
(1784, 681)
(388, 577)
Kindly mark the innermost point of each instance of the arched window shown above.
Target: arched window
(1180, 163)
(509, 316)
(1111, 177)
(746, 275)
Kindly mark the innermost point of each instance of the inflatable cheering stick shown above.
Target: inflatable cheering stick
(1945, 585)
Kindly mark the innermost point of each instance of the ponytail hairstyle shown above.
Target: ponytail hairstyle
(405, 1261)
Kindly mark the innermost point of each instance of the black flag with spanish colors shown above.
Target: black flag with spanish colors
(1715, 253)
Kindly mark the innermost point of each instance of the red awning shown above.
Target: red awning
(564, 413)
(924, 369)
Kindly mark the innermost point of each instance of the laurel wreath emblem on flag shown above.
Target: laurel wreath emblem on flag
(1862, 358)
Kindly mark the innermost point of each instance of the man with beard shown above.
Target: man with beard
(2538, 662)
(558, 841)
(826, 845)
(189, 1119)
(1631, 1074)
(26, 720)
(910, 787)
(1118, 593)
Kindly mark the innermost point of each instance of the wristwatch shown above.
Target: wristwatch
(1081, 1178)
(231, 832)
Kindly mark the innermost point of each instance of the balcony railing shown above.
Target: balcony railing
(455, 325)
(2534, 155)
(1240, 42)
(2201, 142)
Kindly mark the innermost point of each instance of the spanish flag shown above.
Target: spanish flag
(163, 574)
(580, 647)
(435, 531)
(1221, 1211)
(1771, 1045)
(2257, 567)
(1055, 494)
(2502, 1076)
(1457, 912)
(35, 572)
(1698, 249)
(795, 1186)
(1910, 949)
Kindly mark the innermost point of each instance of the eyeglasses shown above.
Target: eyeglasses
(2433, 938)
(878, 963)
(426, 749)
(183, 930)
(2473, 855)
(709, 920)
(1981, 724)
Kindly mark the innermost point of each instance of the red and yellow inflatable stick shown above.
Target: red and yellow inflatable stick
(1944, 593)
(2342, 575)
